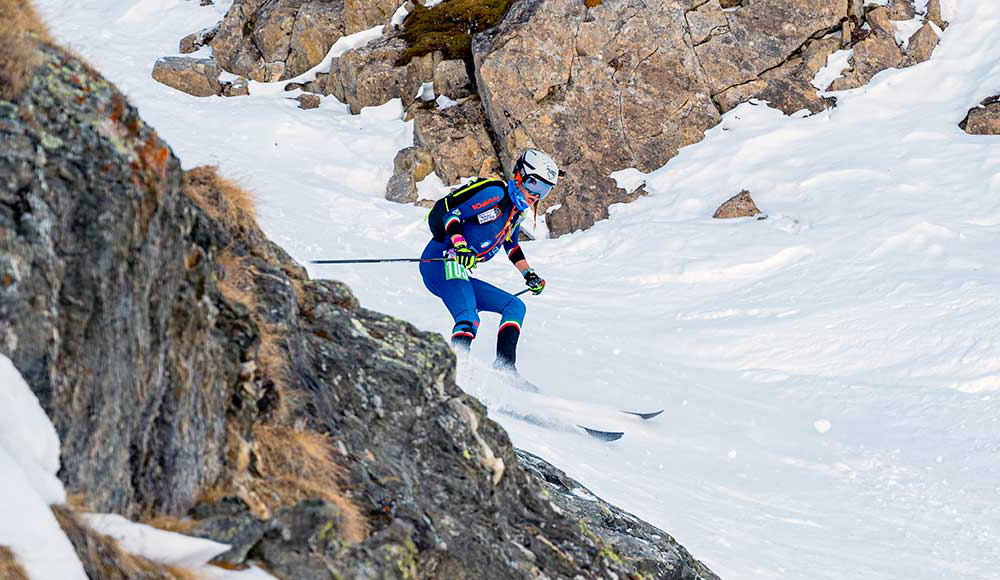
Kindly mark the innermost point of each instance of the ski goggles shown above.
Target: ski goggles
(536, 186)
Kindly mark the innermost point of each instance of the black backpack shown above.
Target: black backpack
(435, 219)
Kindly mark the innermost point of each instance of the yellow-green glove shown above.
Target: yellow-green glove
(465, 256)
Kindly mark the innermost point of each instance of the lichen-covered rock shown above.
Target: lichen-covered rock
(740, 205)
(109, 307)
(652, 551)
(984, 119)
(194, 76)
(271, 40)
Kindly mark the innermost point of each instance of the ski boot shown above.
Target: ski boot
(507, 356)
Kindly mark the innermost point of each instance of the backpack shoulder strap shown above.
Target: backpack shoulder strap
(462, 194)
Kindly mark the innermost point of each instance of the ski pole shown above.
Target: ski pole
(377, 260)
(382, 260)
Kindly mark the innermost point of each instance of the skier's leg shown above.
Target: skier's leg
(460, 299)
(512, 311)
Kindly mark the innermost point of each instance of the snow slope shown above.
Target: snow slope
(831, 375)
(29, 460)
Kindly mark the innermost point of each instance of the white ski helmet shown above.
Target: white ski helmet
(537, 173)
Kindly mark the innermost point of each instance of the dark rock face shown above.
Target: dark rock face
(652, 551)
(107, 305)
(160, 335)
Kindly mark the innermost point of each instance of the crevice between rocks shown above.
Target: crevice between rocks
(795, 53)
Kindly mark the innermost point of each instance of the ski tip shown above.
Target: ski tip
(603, 435)
(645, 416)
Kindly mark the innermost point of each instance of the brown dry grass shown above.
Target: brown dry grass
(10, 568)
(169, 523)
(102, 557)
(225, 200)
(285, 467)
(20, 28)
(297, 465)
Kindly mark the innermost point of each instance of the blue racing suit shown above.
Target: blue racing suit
(489, 222)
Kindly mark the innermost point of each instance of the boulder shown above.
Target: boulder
(410, 166)
(368, 76)
(901, 10)
(238, 88)
(879, 19)
(920, 45)
(272, 40)
(596, 96)
(194, 76)
(457, 141)
(877, 52)
(308, 101)
(984, 119)
(196, 40)
(934, 14)
(740, 205)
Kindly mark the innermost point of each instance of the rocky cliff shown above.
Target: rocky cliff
(601, 84)
(196, 374)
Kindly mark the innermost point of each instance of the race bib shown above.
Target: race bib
(488, 216)
(455, 271)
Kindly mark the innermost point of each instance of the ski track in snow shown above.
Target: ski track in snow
(831, 375)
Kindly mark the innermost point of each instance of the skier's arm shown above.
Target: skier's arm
(514, 253)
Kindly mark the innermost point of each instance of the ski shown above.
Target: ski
(603, 435)
(644, 416)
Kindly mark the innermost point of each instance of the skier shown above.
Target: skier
(470, 226)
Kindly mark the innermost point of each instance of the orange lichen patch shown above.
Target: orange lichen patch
(592, 3)
(20, 28)
(102, 557)
(10, 568)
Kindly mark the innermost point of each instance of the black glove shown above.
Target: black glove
(465, 256)
(533, 281)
